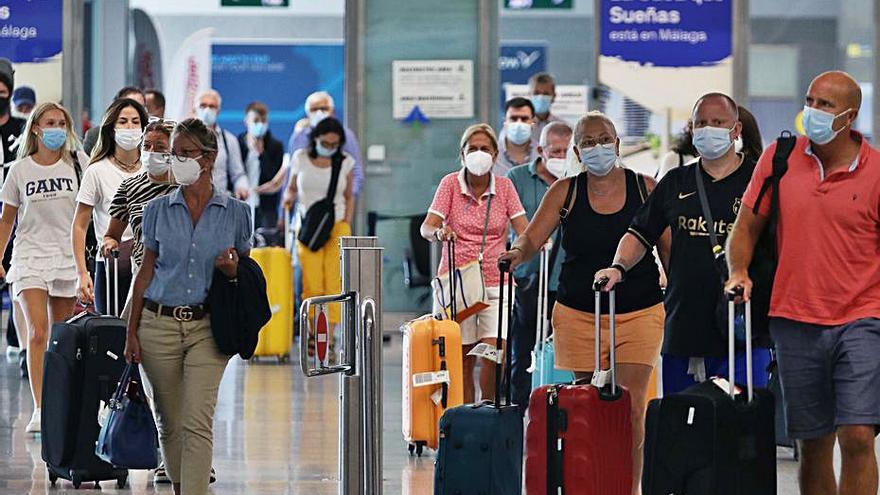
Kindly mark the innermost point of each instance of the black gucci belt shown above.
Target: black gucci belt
(179, 313)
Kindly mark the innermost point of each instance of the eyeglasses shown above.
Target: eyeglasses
(186, 155)
(589, 143)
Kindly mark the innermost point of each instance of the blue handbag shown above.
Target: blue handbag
(129, 438)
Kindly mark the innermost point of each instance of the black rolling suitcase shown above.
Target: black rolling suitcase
(481, 445)
(707, 440)
(81, 368)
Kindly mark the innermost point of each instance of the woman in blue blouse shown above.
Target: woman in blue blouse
(186, 235)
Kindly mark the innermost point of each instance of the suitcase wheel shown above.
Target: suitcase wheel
(53, 478)
(121, 481)
(417, 447)
(77, 480)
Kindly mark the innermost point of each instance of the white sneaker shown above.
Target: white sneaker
(12, 353)
(34, 425)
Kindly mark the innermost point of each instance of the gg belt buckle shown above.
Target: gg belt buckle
(183, 313)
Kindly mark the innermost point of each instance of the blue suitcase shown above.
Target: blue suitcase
(481, 445)
(542, 369)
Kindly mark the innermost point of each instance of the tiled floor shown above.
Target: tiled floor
(275, 434)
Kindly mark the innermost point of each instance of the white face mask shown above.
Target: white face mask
(156, 163)
(186, 172)
(478, 162)
(128, 139)
(556, 167)
(318, 116)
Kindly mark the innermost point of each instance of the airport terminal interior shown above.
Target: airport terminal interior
(378, 100)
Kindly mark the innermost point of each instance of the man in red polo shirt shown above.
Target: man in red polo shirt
(826, 295)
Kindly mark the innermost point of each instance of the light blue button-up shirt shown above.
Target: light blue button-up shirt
(185, 254)
(531, 189)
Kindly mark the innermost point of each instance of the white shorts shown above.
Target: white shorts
(55, 288)
(483, 325)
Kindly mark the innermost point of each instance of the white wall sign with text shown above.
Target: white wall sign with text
(442, 89)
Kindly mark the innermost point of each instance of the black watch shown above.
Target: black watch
(621, 269)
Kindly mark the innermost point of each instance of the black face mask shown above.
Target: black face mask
(4, 105)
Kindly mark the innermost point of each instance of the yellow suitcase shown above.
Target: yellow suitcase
(276, 337)
(430, 346)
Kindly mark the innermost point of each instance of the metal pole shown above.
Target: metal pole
(360, 368)
(72, 62)
(742, 34)
(354, 20)
(362, 273)
(487, 58)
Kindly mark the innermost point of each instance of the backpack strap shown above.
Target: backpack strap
(785, 144)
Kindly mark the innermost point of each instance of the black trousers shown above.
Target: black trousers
(522, 331)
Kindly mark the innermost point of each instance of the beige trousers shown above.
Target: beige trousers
(185, 368)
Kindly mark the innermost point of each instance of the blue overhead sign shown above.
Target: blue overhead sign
(517, 63)
(667, 33)
(279, 75)
(30, 31)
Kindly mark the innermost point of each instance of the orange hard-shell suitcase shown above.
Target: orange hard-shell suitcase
(432, 377)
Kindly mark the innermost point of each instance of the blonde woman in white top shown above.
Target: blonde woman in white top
(116, 157)
(40, 194)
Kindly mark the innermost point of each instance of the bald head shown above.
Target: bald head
(836, 88)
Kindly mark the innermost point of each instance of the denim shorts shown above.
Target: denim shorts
(830, 375)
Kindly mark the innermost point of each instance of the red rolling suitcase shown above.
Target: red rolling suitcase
(579, 437)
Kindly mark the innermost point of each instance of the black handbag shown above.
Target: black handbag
(319, 219)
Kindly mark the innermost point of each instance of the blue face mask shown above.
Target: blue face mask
(819, 125)
(54, 137)
(712, 142)
(599, 159)
(325, 152)
(207, 115)
(257, 129)
(518, 132)
(541, 103)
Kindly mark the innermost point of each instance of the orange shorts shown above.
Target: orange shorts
(639, 337)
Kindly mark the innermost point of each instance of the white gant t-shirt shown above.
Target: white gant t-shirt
(45, 196)
(312, 182)
(99, 184)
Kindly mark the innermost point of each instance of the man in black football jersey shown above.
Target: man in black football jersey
(695, 343)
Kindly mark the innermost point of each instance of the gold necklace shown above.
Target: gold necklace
(127, 167)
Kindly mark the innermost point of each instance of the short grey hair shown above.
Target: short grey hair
(319, 95)
(209, 92)
(557, 128)
(590, 116)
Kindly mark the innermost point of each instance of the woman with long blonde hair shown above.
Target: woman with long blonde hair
(40, 195)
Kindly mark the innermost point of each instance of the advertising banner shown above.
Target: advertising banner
(31, 37)
(281, 75)
(147, 51)
(189, 74)
(664, 54)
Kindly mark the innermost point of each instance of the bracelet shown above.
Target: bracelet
(621, 269)
(517, 248)
(436, 234)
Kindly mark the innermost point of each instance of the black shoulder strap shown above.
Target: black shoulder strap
(707, 212)
(784, 146)
(225, 144)
(643, 187)
(336, 168)
(77, 169)
(566, 206)
(680, 158)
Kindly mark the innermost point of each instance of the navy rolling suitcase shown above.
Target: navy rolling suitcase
(709, 440)
(481, 445)
(81, 368)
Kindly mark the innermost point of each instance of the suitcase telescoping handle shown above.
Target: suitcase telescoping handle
(450, 255)
(115, 287)
(504, 268)
(731, 342)
(598, 288)
(541, 319)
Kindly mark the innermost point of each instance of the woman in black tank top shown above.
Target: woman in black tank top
(595, 210)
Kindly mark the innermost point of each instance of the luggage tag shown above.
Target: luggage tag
(532, 367)
(601, 378)
(437, 396)
(103, 413)
(488, 352)
(430, 378)
(723, 384)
